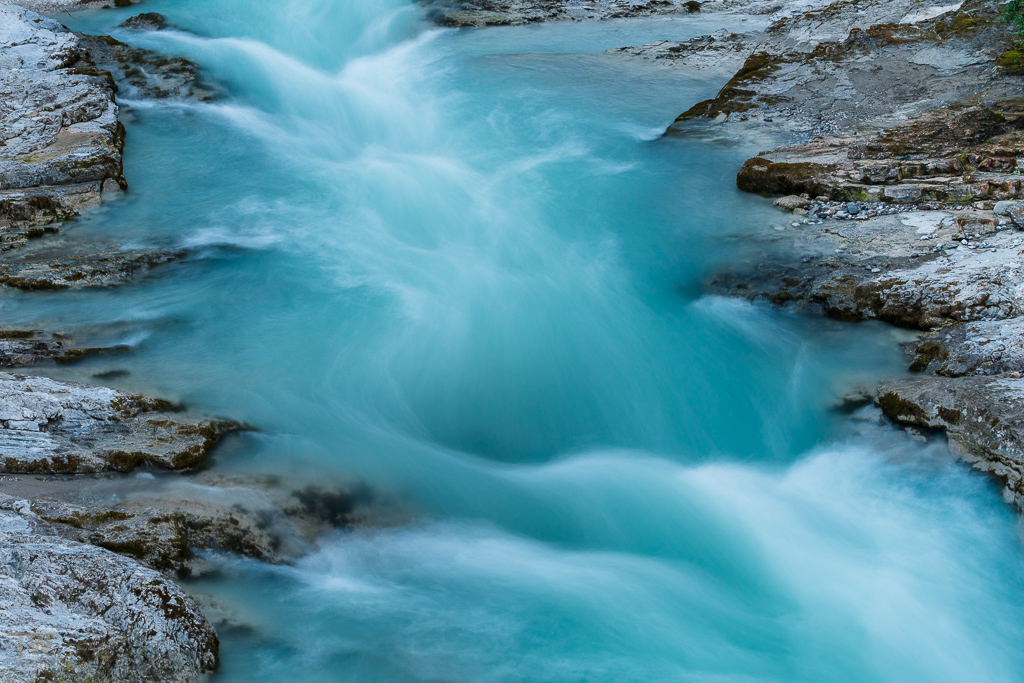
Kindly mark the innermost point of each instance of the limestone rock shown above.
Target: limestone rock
(60, 141)
(792, 202)
(841, 67)
(721, 52)
(141, 73)
(982, 416)
(977, 348)
(454, 13)
(93, 615)
(51, 426)
(71, 265)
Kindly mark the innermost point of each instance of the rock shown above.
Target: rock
(93, 615)
(791, 202)
(719, 53)
(454, 13)
(172, 524)
(1016, 213)
(147, 21)
(75, 266)
(829, 68)
(1003, 208)
(61, 142)
(144, 74)
(977, 348)
(19, 349)
(982, 416)
(51, 426)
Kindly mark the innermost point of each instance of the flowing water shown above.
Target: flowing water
(462, 267)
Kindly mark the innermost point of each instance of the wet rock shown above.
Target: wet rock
(983, 418)
(147, 21)
(76, 266)
(978, 348)
(936, 157)
(172, 524)
(913, 269)
(142, 73)
(93, 615)
(49, 426)
(60, 141)
(792, 202)
(23, 348)
(721, 52)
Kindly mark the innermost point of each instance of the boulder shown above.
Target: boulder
(792, 202)
(70, 611)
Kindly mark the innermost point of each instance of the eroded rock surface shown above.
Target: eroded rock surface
(455, 13)
(720, 52)
(141, 73)
(982, 416)
(846, 67)
(60, 140)
(102, 617)
(51, 426)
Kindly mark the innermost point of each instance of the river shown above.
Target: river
(463, 267)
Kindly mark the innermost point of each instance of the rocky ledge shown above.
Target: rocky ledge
(900, 196)
(85, 553)
(73, 611)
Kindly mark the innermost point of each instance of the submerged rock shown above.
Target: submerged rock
(49, 426)
(73, 611)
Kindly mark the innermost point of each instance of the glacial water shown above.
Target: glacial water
(461, 266)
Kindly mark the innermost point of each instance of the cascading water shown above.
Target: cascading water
(462, 267)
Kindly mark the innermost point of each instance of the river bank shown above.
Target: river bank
(68, 493)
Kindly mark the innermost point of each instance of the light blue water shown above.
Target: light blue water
(463, 267)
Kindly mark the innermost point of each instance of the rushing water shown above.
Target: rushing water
(462, 267)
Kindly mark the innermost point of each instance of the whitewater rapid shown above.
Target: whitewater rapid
(463, 267)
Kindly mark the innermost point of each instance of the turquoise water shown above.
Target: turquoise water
(463, 267)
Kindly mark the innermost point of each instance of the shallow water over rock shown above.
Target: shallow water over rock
(464, 268)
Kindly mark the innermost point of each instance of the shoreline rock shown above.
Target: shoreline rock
(909, 134)
(89, 614)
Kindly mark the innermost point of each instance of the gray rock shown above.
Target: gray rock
(89, 614)
(142, 73)
(60, 141)
(719, 53)
(172, 524)
(454, 13)
(983, 418)
(792, 202)
(74, 265)
(1016, 213)
(1003, 208)
(51, 426)
(977, 348)
(826, 68)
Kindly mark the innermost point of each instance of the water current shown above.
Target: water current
(463, 267)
